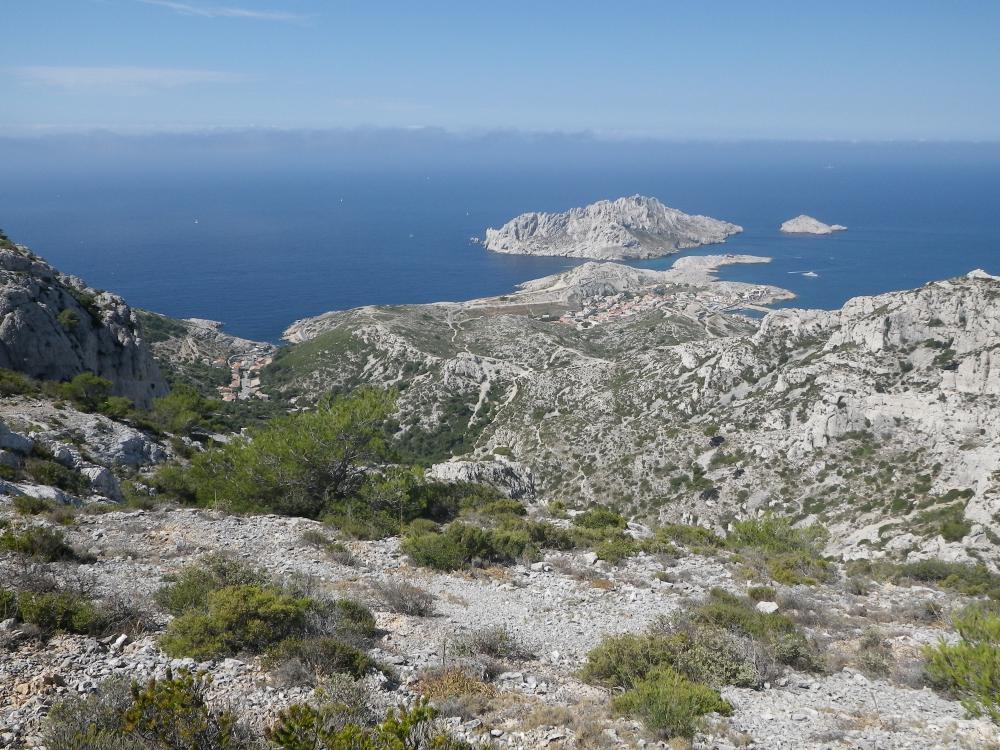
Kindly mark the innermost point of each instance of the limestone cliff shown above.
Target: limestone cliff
(53, 327)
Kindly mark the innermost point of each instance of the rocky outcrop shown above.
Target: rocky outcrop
(54, 327)
(635, 227)
(513, 479)
(803, 224)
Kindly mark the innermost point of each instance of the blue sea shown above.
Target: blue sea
(260, 248)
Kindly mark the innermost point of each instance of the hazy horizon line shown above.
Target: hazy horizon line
(45, 131)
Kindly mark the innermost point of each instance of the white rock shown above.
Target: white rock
(803, 224)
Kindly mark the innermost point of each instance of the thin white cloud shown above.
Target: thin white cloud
(216, 11)
(126, 80)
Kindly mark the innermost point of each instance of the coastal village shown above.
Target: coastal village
(245, 370)
(603, 309)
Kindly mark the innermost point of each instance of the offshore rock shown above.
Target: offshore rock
(635, 227)
(803, 224)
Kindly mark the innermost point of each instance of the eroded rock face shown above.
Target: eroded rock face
(803, 224)
(510, 477)
(634, 227)
(53, 327)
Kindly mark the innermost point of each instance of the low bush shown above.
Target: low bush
(972, 580)
(775, 631)
(39, 543)
(8, 604)
(788, 555)
(236, 618)
(307, 727)
(970, 669)
(495, 643)
(694, 538)
(434, 550)
(320, 656)
(405, 598)
(599, 518)
(56, 611)
(190, 589)
(670, 704)
(718, 642)
(15, 384)
(616, 549)
(762, 594)
(167, 714)
(46, 471)
(27, 505)
(222, 607)
(622, 661)
(874, 655)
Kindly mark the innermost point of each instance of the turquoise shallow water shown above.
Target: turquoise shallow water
(264, 247)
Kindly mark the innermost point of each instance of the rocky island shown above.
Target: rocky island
(803, 224)
(627, 228)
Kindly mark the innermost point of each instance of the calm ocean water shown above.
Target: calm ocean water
(260, 249)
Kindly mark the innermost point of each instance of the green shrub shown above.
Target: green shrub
(348, 618)
(776, 535)
(190, 589)
(622, 661)
(8, 604)
(738, 616)
(305, 727)
(970, 669)
(322, 656)
(46, 471)
(304, 463)
(692, 537)
(173, 713)
(670, 704)
(68, 319)
(15, 384)
(27, 505)
(437, 551)
(973, 580)
(39, 543)
(167, 714)
(791, 556)
(617, 549)
(86, 390)
(117, 407)
(599, 518)
(498, 642)
(183, 410)
(237, 618)
(798, 568)
(54, 611)
(762, 593)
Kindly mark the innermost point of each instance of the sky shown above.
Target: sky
(767, 69)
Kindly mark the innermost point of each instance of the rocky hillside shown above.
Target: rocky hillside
(527, 621)
(644, 390)
(54, 327)
(634, 227)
